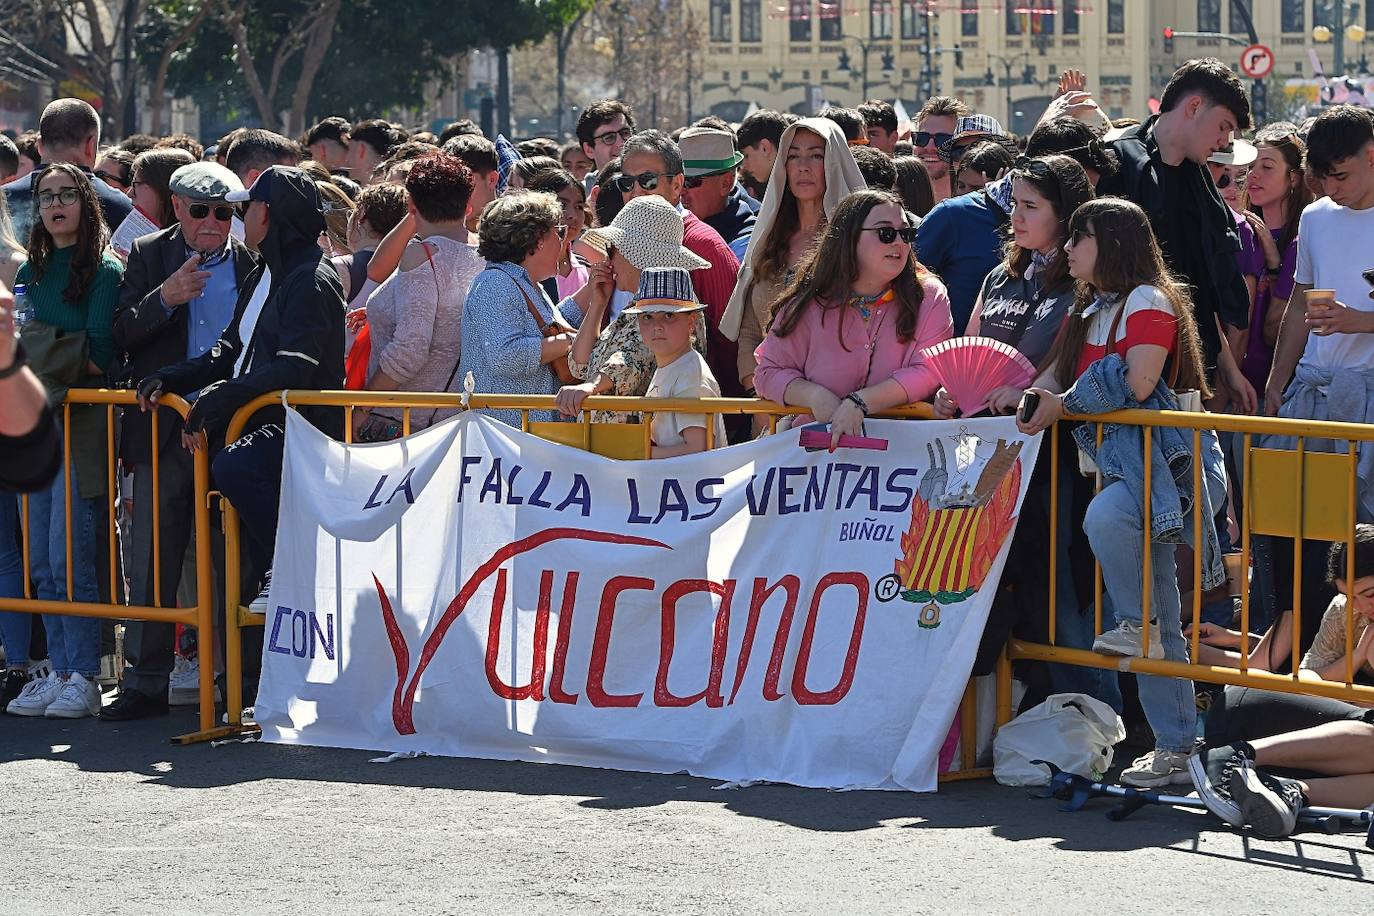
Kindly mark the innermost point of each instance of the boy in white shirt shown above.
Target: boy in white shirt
(1330, 341)
(665, 307)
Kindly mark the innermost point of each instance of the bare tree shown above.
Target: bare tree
(90, 41)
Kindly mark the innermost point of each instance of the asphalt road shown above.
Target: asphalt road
(111, 818)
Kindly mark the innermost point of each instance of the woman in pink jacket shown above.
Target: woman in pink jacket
(846, 336)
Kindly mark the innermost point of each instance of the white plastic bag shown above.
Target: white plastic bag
(1071, 730)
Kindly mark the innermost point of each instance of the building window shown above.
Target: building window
(1116, 17)
(1209, 15)
(880, 18)
(1235, 24)
(913, 19)
(831, 26)
(720, 20)
(1323, 14)
(1070, 17)
(799, 12)
(968, 24)
(1016, 20)
(1293, 16)
(1043, 23)
(751, 20)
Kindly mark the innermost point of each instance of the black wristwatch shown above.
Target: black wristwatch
(858, 402)
(1273, 271)
(19, 362)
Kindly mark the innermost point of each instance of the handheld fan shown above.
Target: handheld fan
(970, 368)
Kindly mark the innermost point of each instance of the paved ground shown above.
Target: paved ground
(106, 818)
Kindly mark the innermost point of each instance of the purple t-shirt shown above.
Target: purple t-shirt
(1250, 259)
(1272, 292)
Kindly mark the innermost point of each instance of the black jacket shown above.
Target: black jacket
(1220, 291)
(20, 196)
(298, 341)
(737, 217)
(147, 338)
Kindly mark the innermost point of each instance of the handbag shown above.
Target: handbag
(554, 328)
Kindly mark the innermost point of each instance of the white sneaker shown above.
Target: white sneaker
(183, 688)
(37, 695)
(1126, 640)
(1158, 768)
(79, 699)
(260, 605)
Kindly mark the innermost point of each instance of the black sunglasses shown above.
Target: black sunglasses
(924, 138)
(224, 213)
(111, 177)
(1078, 233)
(646, 180)
(888, 234)
(699, 180)
(1224, 181)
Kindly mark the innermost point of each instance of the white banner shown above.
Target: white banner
(758, 612)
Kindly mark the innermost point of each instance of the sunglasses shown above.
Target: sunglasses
(609, 137)
(66, 197)
(111, 178)
(888, 234)
(224, 213)
(925, 138)
(1079, 233)
(1225, 179)
(646, 180)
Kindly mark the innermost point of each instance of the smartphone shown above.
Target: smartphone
(1030, 402)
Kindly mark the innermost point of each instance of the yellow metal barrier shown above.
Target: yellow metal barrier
(198, 616)
(1276, 499)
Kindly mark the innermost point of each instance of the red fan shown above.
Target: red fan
(971, 368)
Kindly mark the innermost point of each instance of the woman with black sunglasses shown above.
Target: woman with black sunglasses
(116, 168)
(150, 189)
(845, 337)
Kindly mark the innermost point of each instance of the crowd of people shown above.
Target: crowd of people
(1162, 265)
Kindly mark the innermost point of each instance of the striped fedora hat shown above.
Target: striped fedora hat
(664, 289)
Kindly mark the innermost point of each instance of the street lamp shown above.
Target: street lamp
(865, 47)
(1007, 64)
(1339, 33)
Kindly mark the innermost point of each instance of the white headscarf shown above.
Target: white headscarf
(842, 178)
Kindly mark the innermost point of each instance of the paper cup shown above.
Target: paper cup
(1320, 295)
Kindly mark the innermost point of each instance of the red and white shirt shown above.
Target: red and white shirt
(1148, 319)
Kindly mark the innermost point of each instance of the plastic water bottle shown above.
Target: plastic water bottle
(23, 308)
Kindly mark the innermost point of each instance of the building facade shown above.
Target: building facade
(1002, 58)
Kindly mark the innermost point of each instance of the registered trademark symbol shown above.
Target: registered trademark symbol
(887, 588)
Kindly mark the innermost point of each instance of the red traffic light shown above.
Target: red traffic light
(1168, 32)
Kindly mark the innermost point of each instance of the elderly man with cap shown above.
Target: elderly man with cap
(709, 160)
(177, 296)
(287, 331)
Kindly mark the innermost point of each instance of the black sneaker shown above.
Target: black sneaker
(260, 604)
(1211, 769)
(1270, 804)
(12, 685)
(131, 705)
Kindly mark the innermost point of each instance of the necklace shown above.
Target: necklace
(865, 303)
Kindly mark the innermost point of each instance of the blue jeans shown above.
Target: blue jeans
(15, 627)
(73, 642)
(1114, 528)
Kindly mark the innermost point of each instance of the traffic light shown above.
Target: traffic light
(1168, 40)
(958, 57)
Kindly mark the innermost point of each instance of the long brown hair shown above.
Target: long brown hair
(91, 235)
(772, 261)
(1064, 183)
(154, 169)
(1127, 257)
(1283, 136)
(827, 273)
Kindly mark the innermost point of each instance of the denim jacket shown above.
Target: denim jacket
(1101, 388)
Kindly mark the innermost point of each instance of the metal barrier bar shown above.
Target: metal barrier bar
(199, 616)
